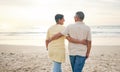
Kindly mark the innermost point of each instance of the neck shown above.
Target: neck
(79, 21)
(59, 24)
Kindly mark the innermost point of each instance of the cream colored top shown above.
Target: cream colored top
(78, 31)
(56, 48)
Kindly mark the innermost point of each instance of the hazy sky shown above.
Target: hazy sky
(16, 14)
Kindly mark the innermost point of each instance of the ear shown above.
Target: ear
(59, 20)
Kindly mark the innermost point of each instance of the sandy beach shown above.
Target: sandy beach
(19, 58)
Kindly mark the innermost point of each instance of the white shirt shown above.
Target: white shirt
(78, 31)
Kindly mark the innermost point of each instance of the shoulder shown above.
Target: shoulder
(61, 26)
(51, 27)
(70, 25)
(87, 27)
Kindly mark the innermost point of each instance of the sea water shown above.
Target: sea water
(101, 35)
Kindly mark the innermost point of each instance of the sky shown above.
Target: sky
(17, 14)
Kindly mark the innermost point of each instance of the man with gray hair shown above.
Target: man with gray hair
(75, 33)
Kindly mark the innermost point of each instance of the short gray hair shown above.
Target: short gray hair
(80, 14)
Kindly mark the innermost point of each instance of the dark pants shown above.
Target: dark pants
(77, 63)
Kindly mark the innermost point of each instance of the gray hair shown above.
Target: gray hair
(80, 15)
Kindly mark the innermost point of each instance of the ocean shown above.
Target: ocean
(101, 35)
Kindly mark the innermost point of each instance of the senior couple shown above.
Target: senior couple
(79, 37)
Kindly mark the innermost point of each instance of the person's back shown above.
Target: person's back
(78, 31)
(58, 43)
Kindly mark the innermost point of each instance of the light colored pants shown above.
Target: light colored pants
(57, 67)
